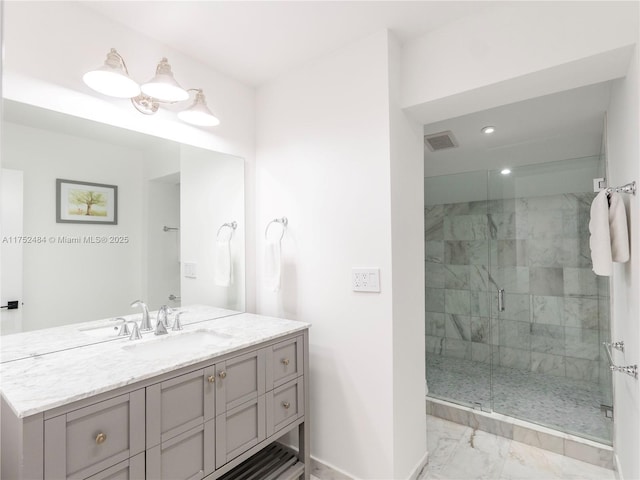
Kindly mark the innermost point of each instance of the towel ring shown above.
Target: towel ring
(231, 225)
(283, 221)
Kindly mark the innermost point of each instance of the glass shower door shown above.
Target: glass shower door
(549, 311)
(458, 348)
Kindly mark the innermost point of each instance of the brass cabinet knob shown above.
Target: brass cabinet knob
(101, 438)
(211, 379)
(285, 361)
(286, 404)
(222, 374)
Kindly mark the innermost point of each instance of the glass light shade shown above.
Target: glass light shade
(112, 78)
(199, 114)
(163, 86)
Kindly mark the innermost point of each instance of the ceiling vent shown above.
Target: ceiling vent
(440, 141)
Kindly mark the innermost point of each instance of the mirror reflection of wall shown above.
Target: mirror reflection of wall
(68, 278)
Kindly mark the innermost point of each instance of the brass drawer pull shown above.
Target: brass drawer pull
(286, 404)
(211, 378)
(101, 438)
(285, 361)
(222, 374)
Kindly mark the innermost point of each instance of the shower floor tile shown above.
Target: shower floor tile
(565, 404)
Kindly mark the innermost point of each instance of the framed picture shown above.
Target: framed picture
(85, 202)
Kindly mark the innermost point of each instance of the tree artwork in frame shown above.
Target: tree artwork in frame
(85, 202)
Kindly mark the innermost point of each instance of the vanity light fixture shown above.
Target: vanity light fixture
(488, 130)
(112, 79)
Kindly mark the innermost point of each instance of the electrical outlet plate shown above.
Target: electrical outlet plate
(365, 279)
(190, 270)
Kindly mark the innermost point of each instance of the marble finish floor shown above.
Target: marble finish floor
(565, 404)
(457, 452)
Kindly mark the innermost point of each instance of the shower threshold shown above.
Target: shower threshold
(525, 432)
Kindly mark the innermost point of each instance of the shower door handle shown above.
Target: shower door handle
(501, 299)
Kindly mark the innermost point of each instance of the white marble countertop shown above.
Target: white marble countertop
(42, 382)
(39, 342)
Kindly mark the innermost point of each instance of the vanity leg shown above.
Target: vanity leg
(304, 430)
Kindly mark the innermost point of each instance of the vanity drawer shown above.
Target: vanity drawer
(86, 441)
(179, 404)
(285, 404)
(284, 362)
(131, 469)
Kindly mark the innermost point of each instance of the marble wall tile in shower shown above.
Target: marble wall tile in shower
(434, 300)
(479, 279)
(434, 222)
(515, 358)
(503, 226)
(457, 301)
(456, 277)
(433, 275)
(582, 369)
(480, 329)
(512, 279)
(603, 314)
(434, 324)
(434, 251)
(515, 334)
(580, 281)
(457, 348)
(481, 353)
(576, 252)
(434, 345)
(516, 307)
(547, 338)
(547, 309)
(603, 286)
(547, 253)
(465, 227)
(480, 303)
(478, 207)
(509, 253)
(581, 312)
(582, 343)
(456, 252)
(546, 281)
(478, 251)
(457, 326)
(548, 364)
(544, 223)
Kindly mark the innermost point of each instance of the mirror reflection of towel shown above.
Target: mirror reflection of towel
(222, 265)
(272, 265)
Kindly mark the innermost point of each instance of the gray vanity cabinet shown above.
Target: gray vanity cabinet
(83, 442)
(131, 469)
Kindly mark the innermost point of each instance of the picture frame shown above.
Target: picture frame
(86, 202)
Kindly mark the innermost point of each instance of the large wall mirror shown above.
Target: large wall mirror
(174, 242)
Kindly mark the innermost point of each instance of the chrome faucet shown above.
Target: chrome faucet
(161, 320)
(163, 314)
(145, 324)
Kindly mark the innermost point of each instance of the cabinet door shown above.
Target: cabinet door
(239, 429)
(284, 362)
(179, 404)
(239, 380)
(86, 441)
(285, 404)
(131, 469)
(188, 456)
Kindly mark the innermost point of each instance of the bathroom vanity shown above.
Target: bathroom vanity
(208, 401)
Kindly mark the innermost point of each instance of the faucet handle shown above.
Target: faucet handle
(124, 328)
(177, 324)
(135, 333)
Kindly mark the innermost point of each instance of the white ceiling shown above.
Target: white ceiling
(561, 126)
(256, 41)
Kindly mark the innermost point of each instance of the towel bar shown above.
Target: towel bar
(231, 225)
(628, 188)
(283, 221)
(628, 369)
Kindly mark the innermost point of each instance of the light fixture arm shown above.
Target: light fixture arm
(114, 53)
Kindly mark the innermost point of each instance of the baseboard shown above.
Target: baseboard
(417, 472)
(325, 471)
(616, 467)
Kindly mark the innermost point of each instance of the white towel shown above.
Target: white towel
(618, 229)
(600, 240)
(222, 265)
(272, 265)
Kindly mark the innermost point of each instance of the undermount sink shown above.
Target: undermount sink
(177, 342)
(105, 330)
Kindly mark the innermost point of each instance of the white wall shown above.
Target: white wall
(623, 157)
(323, 162)
(63, 282)
(49, 45)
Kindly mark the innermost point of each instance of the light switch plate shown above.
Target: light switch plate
(365, 279)
(190, 270)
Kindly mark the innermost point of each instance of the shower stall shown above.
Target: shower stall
(515, 317)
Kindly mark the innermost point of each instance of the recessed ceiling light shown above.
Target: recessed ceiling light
(505, 171)
(488, 129)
